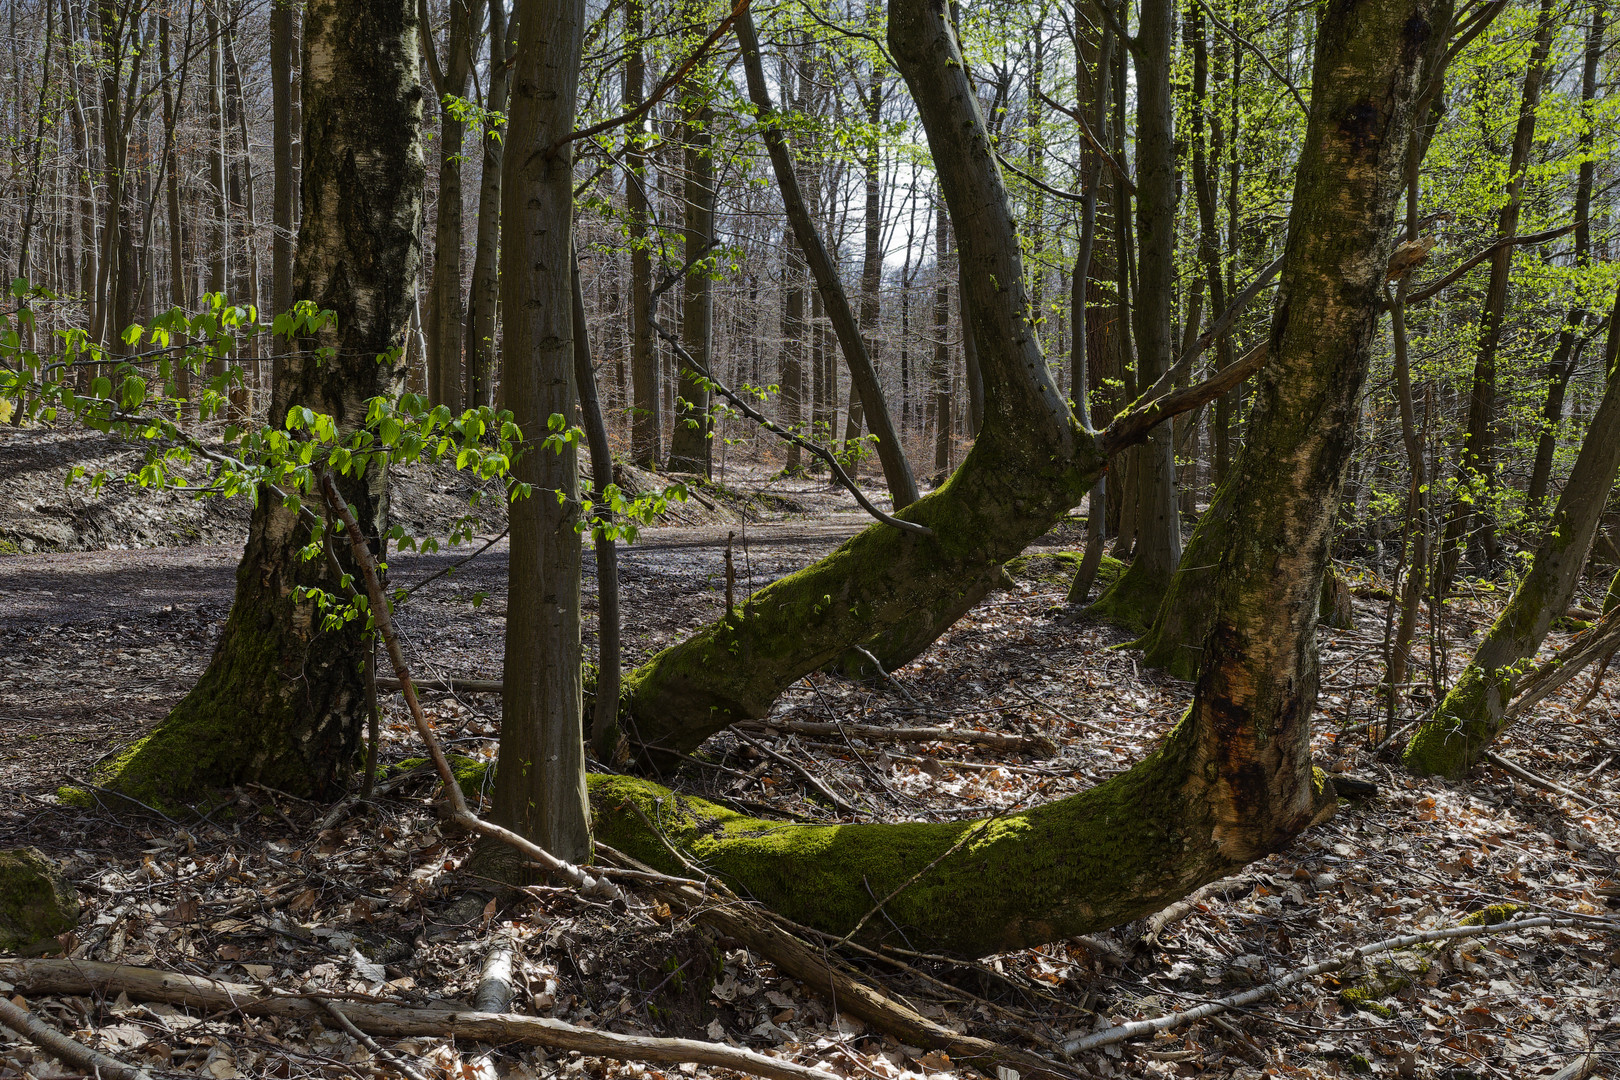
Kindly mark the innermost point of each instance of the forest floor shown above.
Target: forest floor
(95, 645)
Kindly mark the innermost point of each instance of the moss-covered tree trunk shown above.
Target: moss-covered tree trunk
(1456, 737)
(1233, 780)
(282, 701)
(894, 591)
(540, 786)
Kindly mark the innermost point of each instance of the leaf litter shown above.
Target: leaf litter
(366, 910)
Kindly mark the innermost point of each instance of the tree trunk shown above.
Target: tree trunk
(1477, 469)
(445, 313)
(647, 423)
(283, 700)
(939, 372)
(1562, 364)
(690, 443)
(540, 785)
(1233, 781)
(485, 292)
(1133, 599)
(285, 196)
(896, 470)
(1454, 740)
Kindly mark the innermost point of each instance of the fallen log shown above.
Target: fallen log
(395, 1021)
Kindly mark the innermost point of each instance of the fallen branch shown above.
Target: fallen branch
(62, 1048)
(1028, 744)
(399, 1065)
(1121, 1032)
(394, 1021)
(1538, 781)
(459, 812)
(814, 781)
(445, 686)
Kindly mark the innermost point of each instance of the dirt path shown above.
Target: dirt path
(95, 646)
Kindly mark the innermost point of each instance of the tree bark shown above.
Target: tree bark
(485, 291)
(896, 470)
(1471, 715)
(1477, 469)
(540, 785)
(1133, 599)
(283, 700)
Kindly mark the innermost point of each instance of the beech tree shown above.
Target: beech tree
(1233, 780)
(282, 699)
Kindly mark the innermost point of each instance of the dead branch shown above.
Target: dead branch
(1535, 779)
(1132, 426)
(394, 1021)
(1026, 744)
(1169, 1022)
(61, 1047)
(399, 1065)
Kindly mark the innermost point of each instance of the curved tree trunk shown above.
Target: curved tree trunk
(896, 592)
(1233, 780)
(283, 701)
(1471, 715)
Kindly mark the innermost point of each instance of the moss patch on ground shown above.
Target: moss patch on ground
(36, 903)
(1056, 569)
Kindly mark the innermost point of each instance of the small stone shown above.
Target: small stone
(36, 903)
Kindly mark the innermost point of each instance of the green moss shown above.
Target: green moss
(1124, 848)
(9, 547)
(1490, 916)
(1131, 601)
(36, 904)
(1360, 1065)
(1056, 569)
(76, 797)
(473, 776)
(1362, 999)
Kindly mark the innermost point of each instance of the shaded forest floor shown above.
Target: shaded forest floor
(95, 646)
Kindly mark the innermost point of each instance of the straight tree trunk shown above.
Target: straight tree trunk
(1562, 364)
(690, 443)
(283, 700)
(445, 312)
(177, 263)
(285, 195)
(1477, 470)
(872, 259)
(1457, 736)
(540, 784)
(939, 373)
(793, 335)
(485, 292)
(1132, 600)
(647, 423)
